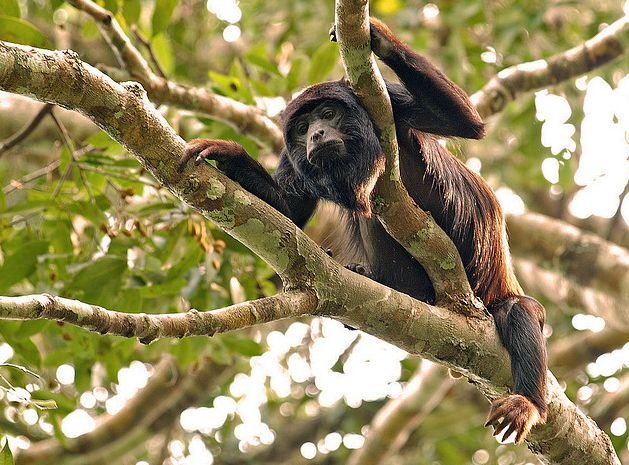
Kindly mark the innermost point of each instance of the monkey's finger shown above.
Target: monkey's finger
(192, 150)
(332, 33)
(494, 414)
(186, 157)
(210, 153)
(499, 428)
(512, 428)
(519, 438)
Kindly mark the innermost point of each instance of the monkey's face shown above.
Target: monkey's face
(332, 145)
(320, 132)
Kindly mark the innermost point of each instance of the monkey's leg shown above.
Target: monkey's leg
(519, 321)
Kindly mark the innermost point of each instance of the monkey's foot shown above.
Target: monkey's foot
(360, 269)
(515, 412)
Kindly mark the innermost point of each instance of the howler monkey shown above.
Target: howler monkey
(332, 152)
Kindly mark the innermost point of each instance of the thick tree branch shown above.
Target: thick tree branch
(571, 297)
(246, 119)
(402, 218)
(578, 350)
(148, 327)
(604, 47)
(471, 346)
(584, 258)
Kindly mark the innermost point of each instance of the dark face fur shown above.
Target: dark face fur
(320, 131)
(332, 145)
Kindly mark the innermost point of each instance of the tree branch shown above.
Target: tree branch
(147, 327)
(575, 351)
(152, 409)
(246, 119)
(584, 258)
(569, 296)
(470, 346)
(26, 130)
(601, 49)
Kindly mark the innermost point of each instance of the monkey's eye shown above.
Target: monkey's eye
(328, 113)
(302, 128)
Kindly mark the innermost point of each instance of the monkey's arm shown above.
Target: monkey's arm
(428, 100)
(233, 160)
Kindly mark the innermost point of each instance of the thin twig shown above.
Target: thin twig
(67, 140)
(149, 48)
(26, 130)
(19, 184)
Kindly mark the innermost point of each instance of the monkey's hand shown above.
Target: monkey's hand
(382, 39)
(229, 155)
(516, 412)
(233, 160)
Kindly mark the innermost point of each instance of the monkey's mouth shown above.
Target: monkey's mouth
(326, 152)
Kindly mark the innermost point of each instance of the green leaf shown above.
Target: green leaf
(323, 61)
(59, 231)
(219, 353)
(171, 287)
(130, 300)
(30, 328)
(10, 7)
(26, 350)
(257, 56)
(20, 31)
(161, 15)
(45, 404)
(229, 86)
(187, 350)
(242, 345)
(63, 404)
(21, 263)
(131, 10)
(163, 52)
(100, 280)
(111, 6)
(295, 75)
(6, 458)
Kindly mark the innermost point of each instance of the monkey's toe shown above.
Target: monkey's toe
(360, 269)
(514, 413)
(332, 33)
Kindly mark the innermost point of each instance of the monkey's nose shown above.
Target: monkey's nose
(317, 135)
